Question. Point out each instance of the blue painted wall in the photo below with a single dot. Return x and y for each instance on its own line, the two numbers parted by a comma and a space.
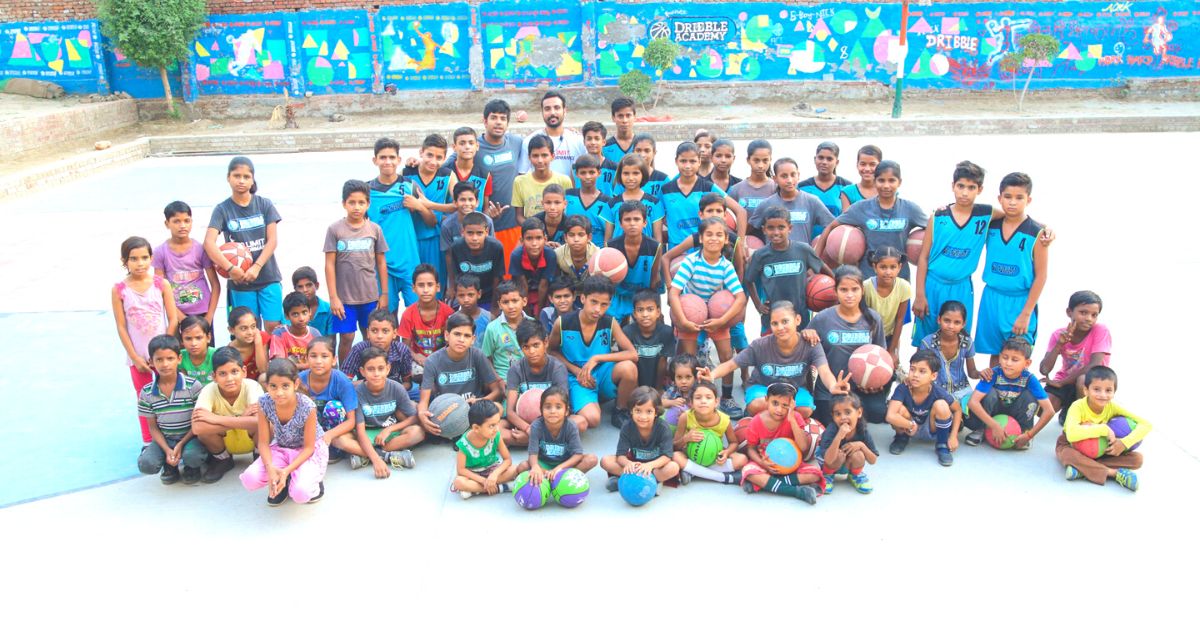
67, 53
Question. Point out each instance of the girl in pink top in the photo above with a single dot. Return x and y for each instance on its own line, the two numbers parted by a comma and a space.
1082, 344
143, 307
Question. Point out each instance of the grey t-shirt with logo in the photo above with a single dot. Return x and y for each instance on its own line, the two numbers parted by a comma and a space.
248, 225
805, 211
771, 366
551, 449
840, 338
884, 227
783, 275
377, 411
502, 161
468, 377
354, 250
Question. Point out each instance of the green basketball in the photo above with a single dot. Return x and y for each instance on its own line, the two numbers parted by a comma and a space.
569, 488
704, 453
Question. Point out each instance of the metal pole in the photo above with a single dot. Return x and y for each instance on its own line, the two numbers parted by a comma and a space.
897, 104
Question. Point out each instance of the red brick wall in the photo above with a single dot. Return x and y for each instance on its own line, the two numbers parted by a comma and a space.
46, 10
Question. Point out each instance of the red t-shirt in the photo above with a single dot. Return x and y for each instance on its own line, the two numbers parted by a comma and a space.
758, 436
424, 337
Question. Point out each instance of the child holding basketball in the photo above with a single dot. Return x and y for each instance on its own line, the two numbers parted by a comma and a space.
195, 334
166, 404
251, 342
1090, 417
1083, 344
645, 445
534, 371
226, 415
292, 450
533, 265
653, 339
422, 325
457, 368
641, 259
387, 418
573, 258
956, 351
554, 444
143, 307
704, 416
335, 399
921, 408
252, 220
846, 444
382, 334
1012, 391
888, 294
780, 420
483, 464
632, 177
868, 157
780, 269
182, 261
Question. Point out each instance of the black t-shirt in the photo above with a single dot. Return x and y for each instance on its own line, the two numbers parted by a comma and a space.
660, 343
486, 263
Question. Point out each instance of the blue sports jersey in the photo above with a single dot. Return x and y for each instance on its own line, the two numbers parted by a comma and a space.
437, 191
478, 177
831, 196
387, 210
654, 186
607, 179
1009, 264
612, 151
852, 194
574, 349
653, 206
682, 211
955, 251
593, 212
639, 276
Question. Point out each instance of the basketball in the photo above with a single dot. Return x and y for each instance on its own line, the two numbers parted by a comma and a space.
871, 366
754, 243
912, 248
730, 220
1092, 447
637, 490
694, 308
1012, 430
846, 245
530, 497
719, 303
705, 452
784, 453
1123, 426
569, 488
237, 254
610, 263
529, 405
334, 412
821, 293
832, 263
671, 416
450, 414
675, 264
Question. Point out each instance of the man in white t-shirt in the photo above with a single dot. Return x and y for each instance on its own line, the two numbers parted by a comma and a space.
568, 144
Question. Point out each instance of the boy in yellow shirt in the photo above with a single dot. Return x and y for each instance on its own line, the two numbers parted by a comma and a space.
1089, 418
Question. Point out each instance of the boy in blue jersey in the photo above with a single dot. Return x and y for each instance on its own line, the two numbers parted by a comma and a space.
587, 198
1011, 390
433, 181
393, 203
1014, 271
641, 254
827, 185
681, 196
593, 140
600, 359
624, 112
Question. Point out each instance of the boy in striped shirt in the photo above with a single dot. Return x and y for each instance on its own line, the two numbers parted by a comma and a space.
703, 273
166, 404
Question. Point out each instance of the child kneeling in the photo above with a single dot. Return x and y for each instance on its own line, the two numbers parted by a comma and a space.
1089, 418
781, 420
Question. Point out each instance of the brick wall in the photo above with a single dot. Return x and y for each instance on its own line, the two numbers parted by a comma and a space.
46, 10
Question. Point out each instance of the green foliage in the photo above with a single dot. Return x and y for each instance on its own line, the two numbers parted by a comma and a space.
636, 85
152, 33
661, 54
1036, 48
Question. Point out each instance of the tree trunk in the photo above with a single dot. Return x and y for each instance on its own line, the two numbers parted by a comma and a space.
167, 90
1021, 104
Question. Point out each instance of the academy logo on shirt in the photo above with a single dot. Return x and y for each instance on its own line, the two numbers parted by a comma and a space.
800, 215
355, 245
498, 159
455, 377
649, 351
783, 370
887, 224
1008, 270
954, 252
385, 410
534, 386
245, 224
553, 450
852, 337
468, 267
784, 269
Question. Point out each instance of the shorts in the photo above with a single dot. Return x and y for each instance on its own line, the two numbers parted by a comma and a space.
804, 398
997, 313
266, 302
791, 479
509, 239
238, 441
372, 432
715, 334
606, 388
356, 318
485, 471
737, 336
400, 293
938, 293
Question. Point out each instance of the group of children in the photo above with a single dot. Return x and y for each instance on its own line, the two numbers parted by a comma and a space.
456, 289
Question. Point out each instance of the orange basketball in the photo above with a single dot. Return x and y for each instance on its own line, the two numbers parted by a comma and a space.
237, 254
610, 263
846, 245
821, 293
754, 243
694, 308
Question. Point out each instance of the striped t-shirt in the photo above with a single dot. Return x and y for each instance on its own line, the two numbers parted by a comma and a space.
697, 276
172, 414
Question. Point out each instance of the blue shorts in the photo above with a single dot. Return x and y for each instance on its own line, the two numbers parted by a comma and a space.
737, 336
266, 302
400, 287
997, 313
937, 293
356, 318
804, 399
605, 387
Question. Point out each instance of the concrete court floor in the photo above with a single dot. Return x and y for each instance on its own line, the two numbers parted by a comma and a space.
928, 539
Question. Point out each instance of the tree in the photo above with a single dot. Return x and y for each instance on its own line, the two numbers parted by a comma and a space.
660, 55
636, 85
153, 33
1033, 51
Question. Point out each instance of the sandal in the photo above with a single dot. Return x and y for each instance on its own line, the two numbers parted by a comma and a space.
974, 439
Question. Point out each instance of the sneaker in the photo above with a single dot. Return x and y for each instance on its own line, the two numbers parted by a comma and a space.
748, 488
611, 484
620, 417
974, 438
807, 494
358, 462
828, 483
731, 407
1073, 473
170, 475
336, 455
861, 483
899, 444
216, 469
320, 493
282, 496
466, 495
402, 459
191, 475
733, 478
684, 477
945, 458
1128, 479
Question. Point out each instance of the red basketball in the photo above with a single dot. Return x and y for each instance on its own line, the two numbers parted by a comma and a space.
912, 247
871, 366
694, 308
846, 245
675, 264
832, 263
719, 303
821, 293
529, 405
730, 219
754, 243
237, 254
610, 263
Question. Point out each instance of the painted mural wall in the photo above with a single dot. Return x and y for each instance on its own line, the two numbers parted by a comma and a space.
533, 43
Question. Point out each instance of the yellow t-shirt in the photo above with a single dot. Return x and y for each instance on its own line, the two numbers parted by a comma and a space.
719, 429
886, 307
527, 193
1082, 423
211, 399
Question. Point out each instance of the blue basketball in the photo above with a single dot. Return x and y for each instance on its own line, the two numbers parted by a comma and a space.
637, 490
784, 453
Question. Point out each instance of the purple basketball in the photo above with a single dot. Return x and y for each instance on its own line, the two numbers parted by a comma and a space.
1123, 426
569, 488
530, 497
671, 416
